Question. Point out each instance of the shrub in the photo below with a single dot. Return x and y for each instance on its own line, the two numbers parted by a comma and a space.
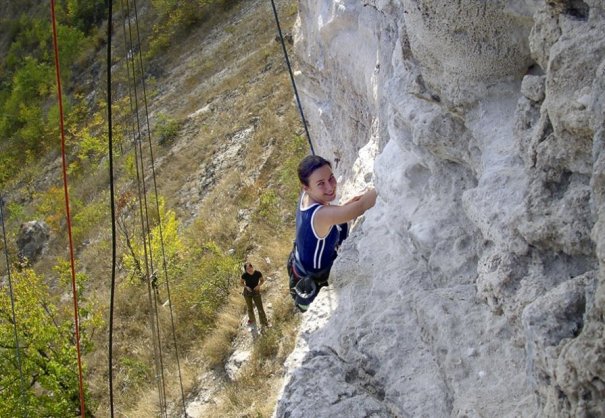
268, 209
133, 372
166, 129
267, 345
48, 354
88, 218
51, 207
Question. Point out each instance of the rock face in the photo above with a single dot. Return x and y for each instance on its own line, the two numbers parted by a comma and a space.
476, 285
32, 240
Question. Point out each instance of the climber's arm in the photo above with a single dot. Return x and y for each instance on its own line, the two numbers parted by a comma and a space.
330, 215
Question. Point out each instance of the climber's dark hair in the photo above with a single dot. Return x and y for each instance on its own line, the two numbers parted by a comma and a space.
308, 165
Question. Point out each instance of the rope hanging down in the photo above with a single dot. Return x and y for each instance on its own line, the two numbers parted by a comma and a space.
67, 211
112, 204
143, 207
143, 211
283, 45
157, 207
14, 317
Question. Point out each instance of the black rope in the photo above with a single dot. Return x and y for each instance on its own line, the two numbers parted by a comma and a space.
152, 279
145, 230
12, 297
157, 202
112, 204
300, 109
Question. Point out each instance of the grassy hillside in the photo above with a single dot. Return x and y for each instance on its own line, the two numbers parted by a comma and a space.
221, 148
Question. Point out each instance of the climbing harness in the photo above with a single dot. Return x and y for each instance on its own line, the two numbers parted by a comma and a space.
304, 285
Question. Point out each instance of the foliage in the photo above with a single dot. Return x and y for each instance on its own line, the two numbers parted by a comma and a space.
166, 129
200, 277
130, 166
86, 14
177, 17
168, 246
28, 110
206, 284
120, 110
134, 372
8, 167
47, 353
32, 35
89, 138
162, 241
87, 218
268, 210
15, 211
51, 207
22, 121
71, 43
90, 316
92, 147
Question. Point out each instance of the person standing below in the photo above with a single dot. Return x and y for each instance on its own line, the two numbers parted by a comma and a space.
252, 280
320, 228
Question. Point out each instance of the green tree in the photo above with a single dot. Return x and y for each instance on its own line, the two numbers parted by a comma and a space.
31, 39
167, 244
166, 129
86, 14
46, 349
24, 124
28, 112
71, 42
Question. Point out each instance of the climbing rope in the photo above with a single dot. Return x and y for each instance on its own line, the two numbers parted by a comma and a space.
157, 203
155, 188
157, 207
111, 203
67, 211
143, 212
283, 45
14, 317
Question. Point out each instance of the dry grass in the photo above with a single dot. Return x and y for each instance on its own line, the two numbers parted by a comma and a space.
217, 347
254, 393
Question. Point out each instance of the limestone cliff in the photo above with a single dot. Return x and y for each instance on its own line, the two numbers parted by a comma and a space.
476, 285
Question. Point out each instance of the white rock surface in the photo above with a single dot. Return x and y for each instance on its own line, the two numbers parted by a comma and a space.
475, 287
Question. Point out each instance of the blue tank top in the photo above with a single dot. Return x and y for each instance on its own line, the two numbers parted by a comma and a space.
312, 252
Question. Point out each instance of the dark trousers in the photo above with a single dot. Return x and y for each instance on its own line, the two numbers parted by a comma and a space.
254, 297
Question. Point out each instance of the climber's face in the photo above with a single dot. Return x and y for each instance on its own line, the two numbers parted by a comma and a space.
322, 185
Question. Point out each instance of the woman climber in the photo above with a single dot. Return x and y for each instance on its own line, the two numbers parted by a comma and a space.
320, 228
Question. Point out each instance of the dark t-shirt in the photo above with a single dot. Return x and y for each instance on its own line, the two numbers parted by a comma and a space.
252, 279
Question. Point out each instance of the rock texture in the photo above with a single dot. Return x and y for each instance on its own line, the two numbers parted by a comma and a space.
482, 126
32, 240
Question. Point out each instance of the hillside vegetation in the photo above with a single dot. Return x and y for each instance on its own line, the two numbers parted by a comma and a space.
205, 148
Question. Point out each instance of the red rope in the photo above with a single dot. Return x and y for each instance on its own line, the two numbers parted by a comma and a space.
71, 246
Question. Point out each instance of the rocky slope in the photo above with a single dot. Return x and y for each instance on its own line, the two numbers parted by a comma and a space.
476, 285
